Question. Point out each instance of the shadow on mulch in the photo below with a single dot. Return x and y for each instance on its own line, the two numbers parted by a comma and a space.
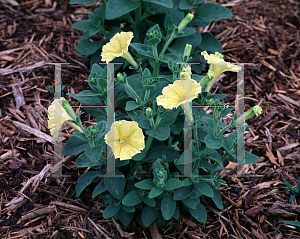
265, 33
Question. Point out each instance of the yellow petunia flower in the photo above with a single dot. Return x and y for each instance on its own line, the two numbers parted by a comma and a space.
174, 94
126, 139
57, 116
218, 66
118, 47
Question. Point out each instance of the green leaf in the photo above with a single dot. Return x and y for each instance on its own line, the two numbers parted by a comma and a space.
214, 155
250, 158
117, 8
213, 143
127, 209
75, 146
179, 44
217, 199
84, 180
161, 133
158, 152
156, 191
95, 153
183, 192
199, 213
168, 206
189, 202
210, 43
226, 111
132, 199
82, 1
111, 210
125, 217
86, 100
131, 105
100, 188
84, 25
83, 161
142, 120
80, 136
138, 157
173, 183
143, 49
170, 117
165, 3
205, 188
149, 201
185, 4
189, 157
146, 184
212, 12
148, 215
115, 185
86, 47
292, 223
187, 31
206, 165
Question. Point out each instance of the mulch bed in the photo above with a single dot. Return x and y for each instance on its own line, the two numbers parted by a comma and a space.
32, 205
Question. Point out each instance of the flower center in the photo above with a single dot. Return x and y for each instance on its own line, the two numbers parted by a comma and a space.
121, 141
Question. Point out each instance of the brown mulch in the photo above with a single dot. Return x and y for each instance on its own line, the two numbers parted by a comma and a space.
32, 205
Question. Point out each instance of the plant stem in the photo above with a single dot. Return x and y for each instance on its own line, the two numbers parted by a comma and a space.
147, 94
166, 46
196, 136
130, 18
157, 64
223, 130
138, 14
134, 93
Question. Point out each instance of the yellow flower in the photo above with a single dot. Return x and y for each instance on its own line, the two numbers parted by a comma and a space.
218, 66
126, 139
118, 47
57, 116
174, 94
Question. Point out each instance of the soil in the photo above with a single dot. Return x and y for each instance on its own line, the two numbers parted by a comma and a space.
32, 205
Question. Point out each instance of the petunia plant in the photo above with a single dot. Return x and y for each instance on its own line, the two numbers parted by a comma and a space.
157, 174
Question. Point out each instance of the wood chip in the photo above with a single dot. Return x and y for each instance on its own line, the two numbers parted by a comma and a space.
289, 100
271, 156
36, 132
268, 65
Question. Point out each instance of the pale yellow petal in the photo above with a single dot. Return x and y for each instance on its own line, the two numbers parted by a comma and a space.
127, 139
174, 94
117, 46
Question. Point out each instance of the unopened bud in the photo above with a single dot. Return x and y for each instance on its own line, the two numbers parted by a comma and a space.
188, 18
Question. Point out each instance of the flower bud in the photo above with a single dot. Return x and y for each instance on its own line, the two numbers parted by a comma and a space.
254, 111
153, 35
122, 77
149, 112
149, 83
188, 18
187, 50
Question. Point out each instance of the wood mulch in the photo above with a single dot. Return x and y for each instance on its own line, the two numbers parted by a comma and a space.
32, 205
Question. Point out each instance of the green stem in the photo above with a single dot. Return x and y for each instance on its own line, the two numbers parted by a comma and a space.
223, 130
158, 119
166, 46
196, 136
174, 77
138, 15
157, 64
147, 94
152, 122
215, 127
130, 18
134, 93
